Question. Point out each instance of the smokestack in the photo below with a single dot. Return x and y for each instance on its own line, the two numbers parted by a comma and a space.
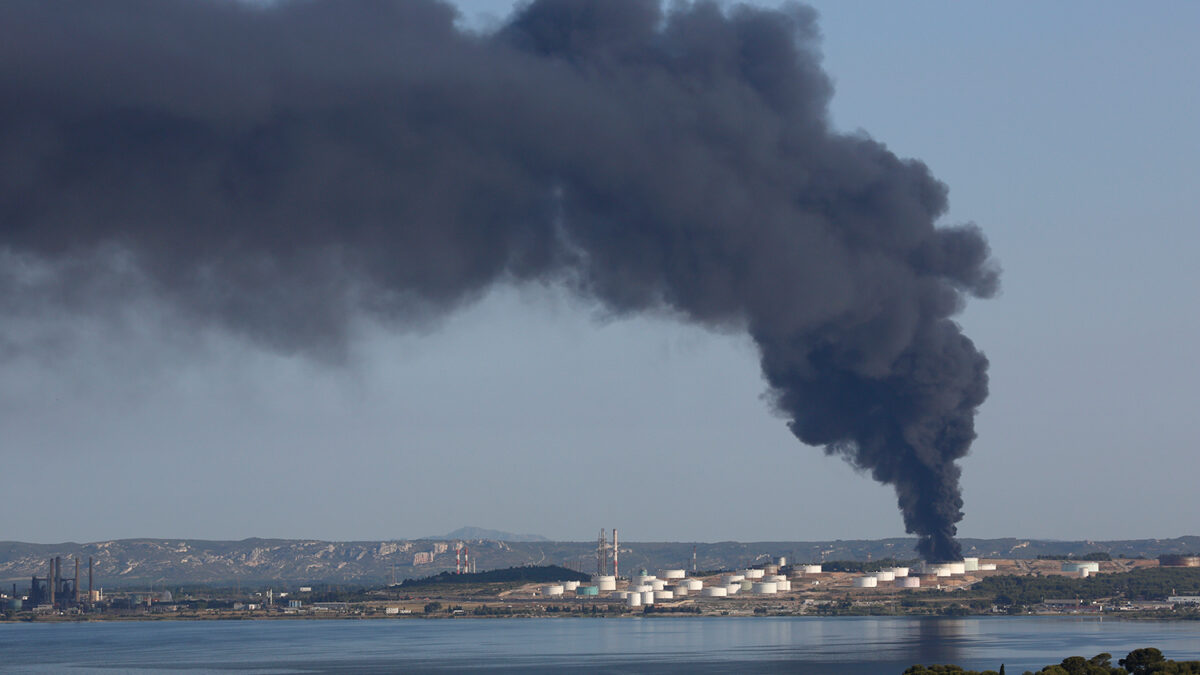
398, 166
616, 554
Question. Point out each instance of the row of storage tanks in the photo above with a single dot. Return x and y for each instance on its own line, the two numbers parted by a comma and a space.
902, 579
645, 589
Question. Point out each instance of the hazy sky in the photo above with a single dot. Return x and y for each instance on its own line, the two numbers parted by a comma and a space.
1068, 132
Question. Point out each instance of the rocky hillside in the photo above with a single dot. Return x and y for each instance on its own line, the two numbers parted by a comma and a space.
139, 562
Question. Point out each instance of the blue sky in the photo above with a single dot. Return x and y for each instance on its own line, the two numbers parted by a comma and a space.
1068, 132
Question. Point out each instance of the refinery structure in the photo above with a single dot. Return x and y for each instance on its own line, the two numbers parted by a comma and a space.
57, 591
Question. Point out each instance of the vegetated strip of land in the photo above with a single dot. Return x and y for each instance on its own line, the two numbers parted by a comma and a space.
1143, 661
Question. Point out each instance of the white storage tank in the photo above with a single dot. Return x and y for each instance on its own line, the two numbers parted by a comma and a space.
752, 573
782, 562
942, 571
693, 584
663, 595
766, 588
783, 586
746, 585
727, 579
987, 567
620, 595
644, 588
865, 582
657, 584
811, 569
1093, 567
639, 579
714, 592
609, 584
552, 589
570, 585
957, 568
776, 577
733, 589
634, 600
672, 574
885, 575
971, 564
900, 571
648, 598
679, 589
908, 582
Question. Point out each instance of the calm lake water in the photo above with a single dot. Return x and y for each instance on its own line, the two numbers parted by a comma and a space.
846, 645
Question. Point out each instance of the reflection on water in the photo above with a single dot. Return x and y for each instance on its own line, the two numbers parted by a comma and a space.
804, 645
934, 640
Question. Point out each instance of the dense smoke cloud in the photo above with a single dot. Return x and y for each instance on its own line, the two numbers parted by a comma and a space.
281, 169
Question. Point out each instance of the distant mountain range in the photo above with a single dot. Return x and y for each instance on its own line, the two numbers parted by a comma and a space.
285, 563
483, 533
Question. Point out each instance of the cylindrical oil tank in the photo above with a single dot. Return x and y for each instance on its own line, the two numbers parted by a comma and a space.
644, 588
598, 579
588, 591
693, 584
971, 564
987, 567
657, 584
752, 573
679, 589
552, 589
570, 585
746, 585
1177, 560
865, 582
608, 584
619, 595
885, 575
942, 571
727, 579
811, 569
775, 577
782, 562
639, 579
663, 595
1076, 566
908, 582
771, 568
784, 586
1083, 573
900, 571
957, 568
634, 600
714, 592
672, 574
766, 588
648, 598
733, 589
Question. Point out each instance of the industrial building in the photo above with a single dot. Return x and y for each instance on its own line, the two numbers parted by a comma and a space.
58, 591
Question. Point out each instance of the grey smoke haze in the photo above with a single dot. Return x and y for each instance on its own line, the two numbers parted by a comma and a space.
281, 170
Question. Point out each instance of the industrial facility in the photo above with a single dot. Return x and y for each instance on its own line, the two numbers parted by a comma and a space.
57, 591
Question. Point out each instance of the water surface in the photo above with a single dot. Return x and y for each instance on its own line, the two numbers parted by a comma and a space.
804, 645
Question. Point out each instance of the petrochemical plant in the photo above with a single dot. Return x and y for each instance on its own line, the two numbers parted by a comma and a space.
55, 590
771, 579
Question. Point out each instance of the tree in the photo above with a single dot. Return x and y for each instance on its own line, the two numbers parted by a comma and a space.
432, 607
1142, 660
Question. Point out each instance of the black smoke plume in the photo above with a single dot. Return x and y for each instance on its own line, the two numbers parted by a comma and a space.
281, 168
